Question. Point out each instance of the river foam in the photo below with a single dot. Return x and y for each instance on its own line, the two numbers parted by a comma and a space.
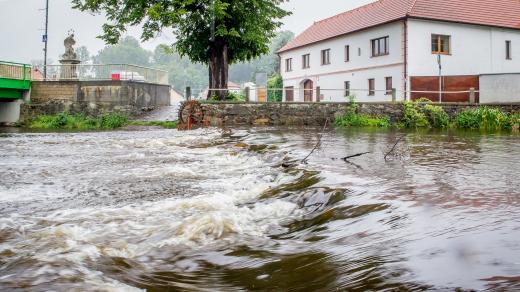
219, 207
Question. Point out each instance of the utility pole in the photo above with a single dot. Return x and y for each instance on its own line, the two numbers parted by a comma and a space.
45, 39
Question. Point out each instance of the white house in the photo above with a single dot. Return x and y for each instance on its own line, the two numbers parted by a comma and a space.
396, 44
232, 88
252, 90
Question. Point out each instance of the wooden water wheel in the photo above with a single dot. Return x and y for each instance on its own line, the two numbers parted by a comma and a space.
191, 115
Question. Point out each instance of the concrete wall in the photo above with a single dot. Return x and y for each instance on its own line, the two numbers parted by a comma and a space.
310, 114
361, 66
94, 97
500, 88
9, 112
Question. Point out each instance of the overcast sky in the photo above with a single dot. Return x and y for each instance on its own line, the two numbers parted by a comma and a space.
22, 23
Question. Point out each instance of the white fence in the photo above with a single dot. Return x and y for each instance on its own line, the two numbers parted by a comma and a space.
85, 72
16, 71
318, 94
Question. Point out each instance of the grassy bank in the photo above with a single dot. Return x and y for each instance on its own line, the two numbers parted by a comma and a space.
67, 121
164, 124
424, 114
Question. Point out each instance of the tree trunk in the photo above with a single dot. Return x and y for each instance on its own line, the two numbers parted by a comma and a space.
218, 70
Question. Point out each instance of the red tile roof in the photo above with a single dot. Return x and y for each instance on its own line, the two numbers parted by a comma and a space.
499, 13
36, 74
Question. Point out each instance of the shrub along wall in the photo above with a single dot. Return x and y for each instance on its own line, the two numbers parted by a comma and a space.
315, 114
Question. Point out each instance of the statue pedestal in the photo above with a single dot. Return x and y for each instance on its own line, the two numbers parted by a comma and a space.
69, 69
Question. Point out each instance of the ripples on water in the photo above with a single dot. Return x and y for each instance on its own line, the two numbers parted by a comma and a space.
161, 209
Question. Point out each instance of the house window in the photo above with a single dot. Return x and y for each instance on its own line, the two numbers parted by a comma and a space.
288, 65
388, 81
508, 51
289, 93
441, 44
371, 86
347, 88
380, 47
306, 61
347, 53
325, 57
359, 52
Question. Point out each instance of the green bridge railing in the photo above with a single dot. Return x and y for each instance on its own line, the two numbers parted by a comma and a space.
16, 71
14, 79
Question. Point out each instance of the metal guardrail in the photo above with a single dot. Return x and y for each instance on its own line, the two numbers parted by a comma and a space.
96, 72
16, 71
318, 94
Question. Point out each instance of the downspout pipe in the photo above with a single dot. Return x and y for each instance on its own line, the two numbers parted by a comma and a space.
405, 71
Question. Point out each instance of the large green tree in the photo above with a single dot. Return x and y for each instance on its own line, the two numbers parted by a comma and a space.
127, 51
182, 71
214, 32
269, 63
83, 54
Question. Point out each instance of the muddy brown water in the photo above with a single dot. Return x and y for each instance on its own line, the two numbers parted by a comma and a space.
162, 210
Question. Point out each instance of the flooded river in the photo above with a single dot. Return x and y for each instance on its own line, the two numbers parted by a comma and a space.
157, 210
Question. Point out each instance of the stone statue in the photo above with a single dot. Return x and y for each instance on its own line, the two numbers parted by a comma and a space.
69, 61
69, 42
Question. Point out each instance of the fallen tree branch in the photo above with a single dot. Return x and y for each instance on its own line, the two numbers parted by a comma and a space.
318, 143
355, 155
395, 145
353, 164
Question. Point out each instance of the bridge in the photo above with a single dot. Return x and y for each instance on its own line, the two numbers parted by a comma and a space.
15, 82
15, 79
88, 88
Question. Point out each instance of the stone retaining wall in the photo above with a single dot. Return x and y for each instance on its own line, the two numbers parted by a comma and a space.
312, 114
94, 97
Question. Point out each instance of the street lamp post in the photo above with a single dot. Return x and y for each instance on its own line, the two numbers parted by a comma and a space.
45, 39
439, 61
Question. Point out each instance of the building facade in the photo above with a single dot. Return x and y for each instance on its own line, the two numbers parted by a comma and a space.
371, 53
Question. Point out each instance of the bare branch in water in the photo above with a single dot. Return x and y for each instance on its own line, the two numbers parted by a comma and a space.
318, 144
395, 145
355, 155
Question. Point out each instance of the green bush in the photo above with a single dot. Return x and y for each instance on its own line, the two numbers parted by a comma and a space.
274, 86
422, 113
49, 122
78, 121
423, 100
361, 120
413, 117
468, 119
113, 121
164, 124
64, 121
236, 96
354, 119
514, 121
232, 96
436, 116
484, 118
352, 105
